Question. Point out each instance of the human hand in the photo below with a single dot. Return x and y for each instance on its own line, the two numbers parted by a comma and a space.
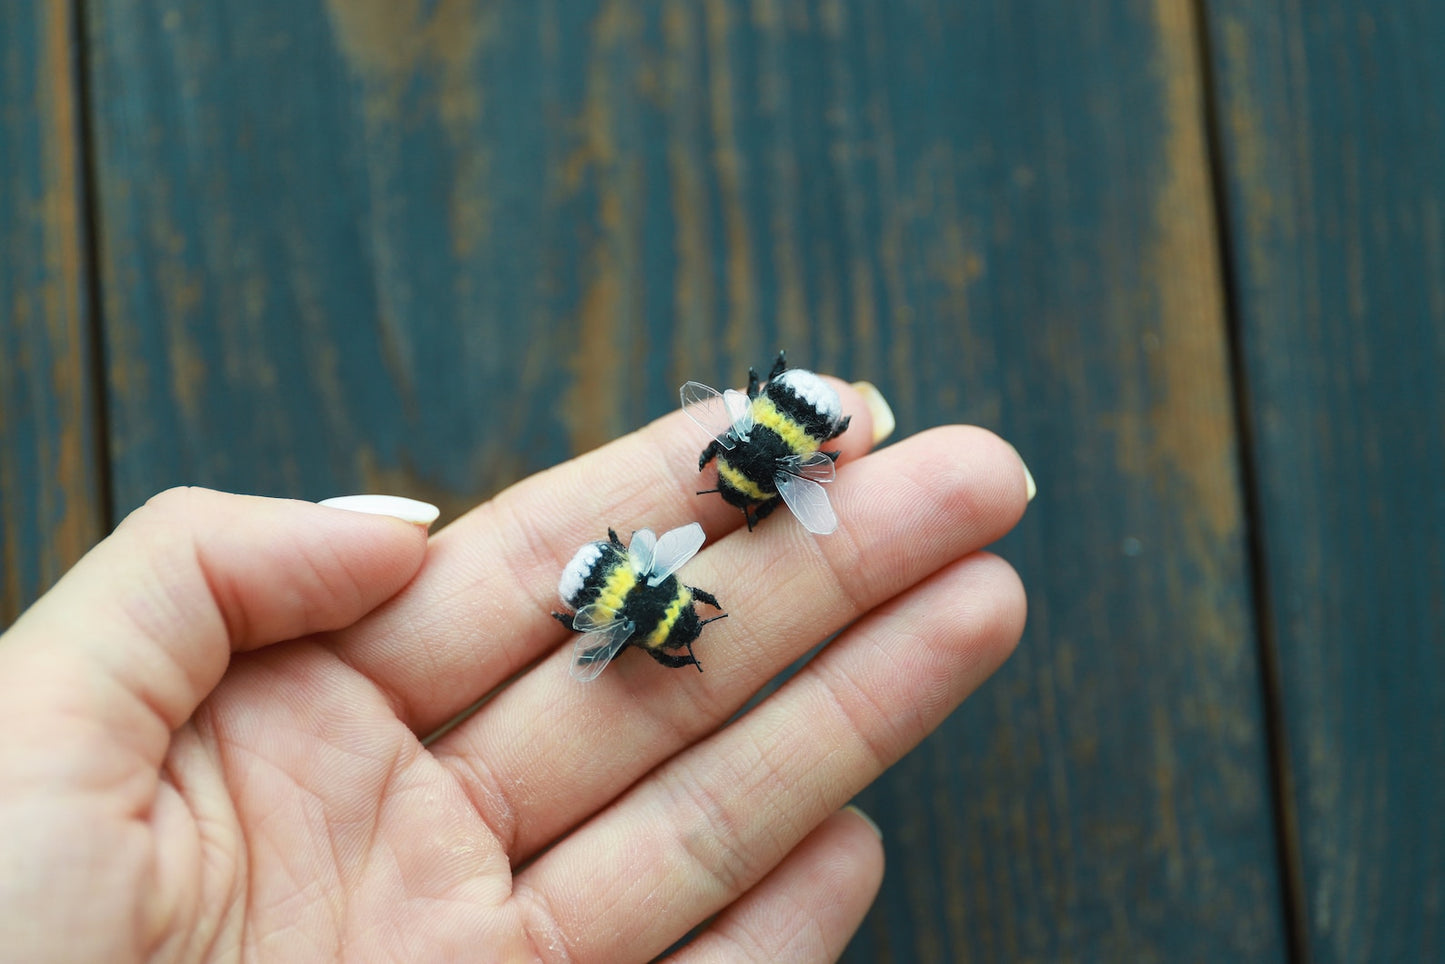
209, 729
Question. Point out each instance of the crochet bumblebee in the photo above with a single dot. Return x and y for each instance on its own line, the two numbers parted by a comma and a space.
767, 443
625, 594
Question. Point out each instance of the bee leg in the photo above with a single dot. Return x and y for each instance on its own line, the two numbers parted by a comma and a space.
708, 454
564, 618
752, 382
834, 455
841, 427
751, 519
677, 661
779, 367
702, 596
613, 536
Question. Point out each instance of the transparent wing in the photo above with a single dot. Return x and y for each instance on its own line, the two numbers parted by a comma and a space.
674, 549
642, 551
740, 412
818, 467
590, 619
596, 649
809, 502
709, 410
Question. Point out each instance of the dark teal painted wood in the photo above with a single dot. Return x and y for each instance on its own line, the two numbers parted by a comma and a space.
1331, 116
50, 489
432, 247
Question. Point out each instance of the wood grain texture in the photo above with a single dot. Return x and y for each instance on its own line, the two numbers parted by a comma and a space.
1331, 121
50, 512
431, 247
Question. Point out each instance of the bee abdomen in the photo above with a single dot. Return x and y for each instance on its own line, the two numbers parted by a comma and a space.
808, 400
578, 572
598, 574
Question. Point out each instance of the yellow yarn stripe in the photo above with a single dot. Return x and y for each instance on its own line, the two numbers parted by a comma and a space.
767, 414
682, 600
741, 482
615, 588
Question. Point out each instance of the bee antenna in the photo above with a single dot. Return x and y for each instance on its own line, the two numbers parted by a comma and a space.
707, 491
710, 619
693, 656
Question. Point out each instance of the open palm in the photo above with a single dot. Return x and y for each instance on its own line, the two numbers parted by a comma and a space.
210, 731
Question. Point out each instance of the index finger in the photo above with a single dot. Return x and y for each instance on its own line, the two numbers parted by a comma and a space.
478, 612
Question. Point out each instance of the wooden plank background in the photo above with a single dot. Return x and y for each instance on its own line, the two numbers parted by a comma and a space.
431, 247
1332, 123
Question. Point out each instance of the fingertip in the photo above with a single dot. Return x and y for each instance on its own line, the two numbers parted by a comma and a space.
858, 842
1004, 480
999, 581
857, 811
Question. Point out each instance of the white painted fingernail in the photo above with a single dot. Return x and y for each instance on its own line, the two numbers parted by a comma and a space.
407, 510
866, 819
1030, 489
883, 421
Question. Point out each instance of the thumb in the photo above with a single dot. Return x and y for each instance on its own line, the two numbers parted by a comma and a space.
145, 623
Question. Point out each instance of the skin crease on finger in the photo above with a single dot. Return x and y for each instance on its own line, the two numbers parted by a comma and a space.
790, 591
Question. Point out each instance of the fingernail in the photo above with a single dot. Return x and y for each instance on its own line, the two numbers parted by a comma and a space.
407, 510
866, 819
883, 421
1029, 489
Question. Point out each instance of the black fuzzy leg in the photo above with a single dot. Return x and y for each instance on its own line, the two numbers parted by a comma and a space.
565, 619
613, 536
678, 661
779, 367
841, 427
713, 450
753, 386
702, 595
